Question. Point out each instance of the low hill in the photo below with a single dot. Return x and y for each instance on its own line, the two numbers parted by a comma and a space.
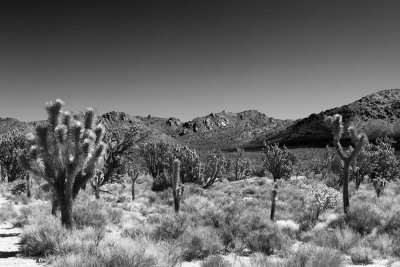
377, 115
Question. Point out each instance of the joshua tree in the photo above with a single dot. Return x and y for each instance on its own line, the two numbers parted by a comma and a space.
211, 171
11, 145
156, 159
280, 163
121, 143
96, 182
65, 152
177, 189
28, 185
240, 165
347, 157
133, 174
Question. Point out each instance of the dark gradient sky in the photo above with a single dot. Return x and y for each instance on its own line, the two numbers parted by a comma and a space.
286, 59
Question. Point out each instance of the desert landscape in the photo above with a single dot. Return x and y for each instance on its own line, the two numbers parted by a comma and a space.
118, 190
222, 133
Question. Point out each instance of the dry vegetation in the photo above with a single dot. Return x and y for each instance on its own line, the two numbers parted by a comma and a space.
225, 210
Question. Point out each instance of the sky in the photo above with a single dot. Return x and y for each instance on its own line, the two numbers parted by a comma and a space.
186, 59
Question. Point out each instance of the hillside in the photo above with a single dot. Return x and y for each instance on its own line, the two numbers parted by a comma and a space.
377, 115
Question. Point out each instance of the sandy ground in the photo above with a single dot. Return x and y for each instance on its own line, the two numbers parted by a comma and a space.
10, 256
9, 239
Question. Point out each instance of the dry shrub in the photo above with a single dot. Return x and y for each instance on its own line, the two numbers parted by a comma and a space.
215, 261
200, 242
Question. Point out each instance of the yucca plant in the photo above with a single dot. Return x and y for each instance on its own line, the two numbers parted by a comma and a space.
280, 163
347, 157
64, 151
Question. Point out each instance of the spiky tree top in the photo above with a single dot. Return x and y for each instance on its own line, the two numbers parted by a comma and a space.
359, 139
64, 151
279, 162
11, 145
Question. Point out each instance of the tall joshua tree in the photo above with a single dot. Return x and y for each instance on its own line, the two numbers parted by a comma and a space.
177, 185
347, 157
280, 163
65, 152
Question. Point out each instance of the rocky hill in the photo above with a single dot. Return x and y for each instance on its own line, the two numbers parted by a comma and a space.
377, 114
227, 130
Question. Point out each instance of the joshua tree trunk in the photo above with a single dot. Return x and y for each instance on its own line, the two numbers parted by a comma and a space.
28, 185
177, 200
97, 192
177, 185
65, 203
54, 204
134, 178
273, 200
346, 201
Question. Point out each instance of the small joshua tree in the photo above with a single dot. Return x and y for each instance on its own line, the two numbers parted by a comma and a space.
156, 157
280, 163
121, 143
240, 165
189, 162
11, 145
133, 174
65, 152
347, 157
177, 187
386, 166
96, 182
364, 164
211, 171
324, 197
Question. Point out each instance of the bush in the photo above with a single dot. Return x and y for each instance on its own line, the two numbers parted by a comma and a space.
18, 188
361, 255
115, 215
90, 213
171, 227
123, 252
312, 256
200, 242
393, 223
43, 237
266, 241
215, 261
7, 213
363, 218
30, 213
288, 227
340, 239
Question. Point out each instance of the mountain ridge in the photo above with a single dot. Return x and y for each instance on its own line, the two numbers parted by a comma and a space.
376, 114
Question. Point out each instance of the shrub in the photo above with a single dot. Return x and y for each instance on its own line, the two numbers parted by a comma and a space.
43, 237
361, 255
363, 218
288, 227
7, 212
215, 261
265, 241
115, 215
323, 196
340, 239
236, 224
171, 227
393, 223
123, 252
200, 242
90, 213
31, 213
312, 256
